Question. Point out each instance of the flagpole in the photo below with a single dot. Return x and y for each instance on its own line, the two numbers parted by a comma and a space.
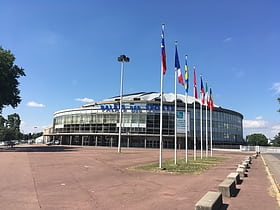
211, 127
161, 122
175, 110
186, 105
201, 129
194, 122
175, 120
206, 130
162, 72
194, 131
211, 132
186, 125
206, 118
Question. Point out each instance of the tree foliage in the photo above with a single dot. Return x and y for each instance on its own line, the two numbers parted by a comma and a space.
10, 128
9, 74
276, 140
279, 102
257, 139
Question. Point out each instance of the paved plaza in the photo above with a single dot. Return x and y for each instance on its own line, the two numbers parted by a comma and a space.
68, 178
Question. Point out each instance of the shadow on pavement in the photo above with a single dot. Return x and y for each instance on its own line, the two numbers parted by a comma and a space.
224, 207
235, 192
38, 149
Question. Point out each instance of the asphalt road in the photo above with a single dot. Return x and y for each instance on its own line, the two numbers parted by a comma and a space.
273, 162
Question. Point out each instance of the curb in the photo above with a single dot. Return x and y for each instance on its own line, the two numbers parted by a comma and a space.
272, 181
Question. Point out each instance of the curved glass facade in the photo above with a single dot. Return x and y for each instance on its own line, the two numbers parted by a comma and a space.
98, 124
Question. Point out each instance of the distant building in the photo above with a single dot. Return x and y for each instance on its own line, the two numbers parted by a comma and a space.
46, 137
98, 123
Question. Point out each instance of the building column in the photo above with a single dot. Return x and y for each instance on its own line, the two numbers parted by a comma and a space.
96, 138
70, 141
145, 143
127, 142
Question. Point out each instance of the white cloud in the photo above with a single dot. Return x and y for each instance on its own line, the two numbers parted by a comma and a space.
275, 129
27, 128
269, 129
34, 104
254, 123
85, 100
276, 87
228, 39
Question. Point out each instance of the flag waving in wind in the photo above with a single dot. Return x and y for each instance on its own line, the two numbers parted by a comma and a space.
194, 84
186, 75
163, 55
202, 91
177, 67
206, 94
211, 103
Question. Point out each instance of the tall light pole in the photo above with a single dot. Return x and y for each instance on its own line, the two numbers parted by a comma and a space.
35, 133
122, 59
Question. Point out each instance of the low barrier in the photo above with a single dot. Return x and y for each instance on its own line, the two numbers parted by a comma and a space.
210, 201
235, 176
260, 149
227, 188
214, 200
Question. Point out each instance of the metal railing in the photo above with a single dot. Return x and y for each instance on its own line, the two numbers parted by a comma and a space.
261, 149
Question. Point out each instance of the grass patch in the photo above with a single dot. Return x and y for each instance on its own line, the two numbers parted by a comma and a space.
192, 167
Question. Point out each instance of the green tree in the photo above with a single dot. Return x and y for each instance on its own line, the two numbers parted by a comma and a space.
7, 134
13, 121
279, 102
276, 140
9, 74
10, 128
2, 121
257, 139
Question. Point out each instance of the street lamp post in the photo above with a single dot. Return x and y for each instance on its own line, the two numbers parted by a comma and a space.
122, 59
35, 133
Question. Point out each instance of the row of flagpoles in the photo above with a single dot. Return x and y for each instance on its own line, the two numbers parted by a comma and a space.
205, 99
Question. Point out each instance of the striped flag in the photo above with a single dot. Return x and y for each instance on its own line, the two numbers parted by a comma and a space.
202, 91
163, 54
178, 68
186, 75
206, 94
211, 103
194, 84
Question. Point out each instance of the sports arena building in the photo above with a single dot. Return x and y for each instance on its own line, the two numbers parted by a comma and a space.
98, 123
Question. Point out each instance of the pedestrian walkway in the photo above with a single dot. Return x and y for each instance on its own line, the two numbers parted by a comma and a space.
58, 177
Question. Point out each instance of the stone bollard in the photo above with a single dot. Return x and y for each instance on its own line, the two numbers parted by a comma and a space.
247, 161
235, 176
242, 166
227, 187
241, 172
245, 164
210, 201
248, 158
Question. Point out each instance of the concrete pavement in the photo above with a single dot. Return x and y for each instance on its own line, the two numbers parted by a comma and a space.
59, 177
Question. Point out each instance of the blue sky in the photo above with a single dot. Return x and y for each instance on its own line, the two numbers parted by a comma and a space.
69, 51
